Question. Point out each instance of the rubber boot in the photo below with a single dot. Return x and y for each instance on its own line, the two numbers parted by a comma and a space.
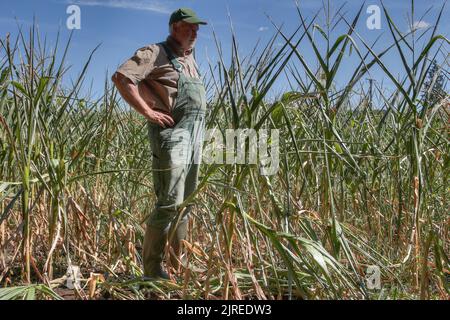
153, 253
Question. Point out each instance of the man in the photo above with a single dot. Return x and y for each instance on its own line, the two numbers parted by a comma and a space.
161, 81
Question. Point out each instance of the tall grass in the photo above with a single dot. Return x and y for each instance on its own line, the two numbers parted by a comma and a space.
357, 185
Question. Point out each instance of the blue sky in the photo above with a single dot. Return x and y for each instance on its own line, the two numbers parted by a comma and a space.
124, 26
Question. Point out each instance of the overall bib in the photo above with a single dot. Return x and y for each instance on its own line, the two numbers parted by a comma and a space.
176, 160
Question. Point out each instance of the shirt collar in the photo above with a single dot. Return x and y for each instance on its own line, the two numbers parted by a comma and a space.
176, 47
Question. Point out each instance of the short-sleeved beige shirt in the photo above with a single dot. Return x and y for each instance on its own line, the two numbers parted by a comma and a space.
150, 69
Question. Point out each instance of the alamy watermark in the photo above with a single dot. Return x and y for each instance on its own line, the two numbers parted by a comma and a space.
73, 275
74, 19
244, 146
240, 146
374, 20
373, 278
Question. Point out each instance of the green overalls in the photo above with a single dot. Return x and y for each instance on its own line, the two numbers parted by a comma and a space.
176, 160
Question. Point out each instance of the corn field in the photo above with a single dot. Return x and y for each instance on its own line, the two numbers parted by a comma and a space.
358, 185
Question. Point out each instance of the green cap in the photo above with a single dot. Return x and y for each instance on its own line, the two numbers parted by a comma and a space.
185, 14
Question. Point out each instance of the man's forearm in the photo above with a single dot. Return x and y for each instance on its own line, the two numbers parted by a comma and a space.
130, 93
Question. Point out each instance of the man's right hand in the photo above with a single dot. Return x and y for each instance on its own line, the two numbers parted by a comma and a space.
160, 118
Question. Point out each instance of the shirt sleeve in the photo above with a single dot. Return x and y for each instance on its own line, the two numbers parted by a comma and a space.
139, 66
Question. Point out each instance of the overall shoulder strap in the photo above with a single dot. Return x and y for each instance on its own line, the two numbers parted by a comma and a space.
177, 66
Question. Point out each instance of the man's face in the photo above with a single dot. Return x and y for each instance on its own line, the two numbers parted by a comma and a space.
185, 33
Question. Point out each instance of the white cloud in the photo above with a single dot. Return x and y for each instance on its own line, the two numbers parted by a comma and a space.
149, 5
420, 25
263, 29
